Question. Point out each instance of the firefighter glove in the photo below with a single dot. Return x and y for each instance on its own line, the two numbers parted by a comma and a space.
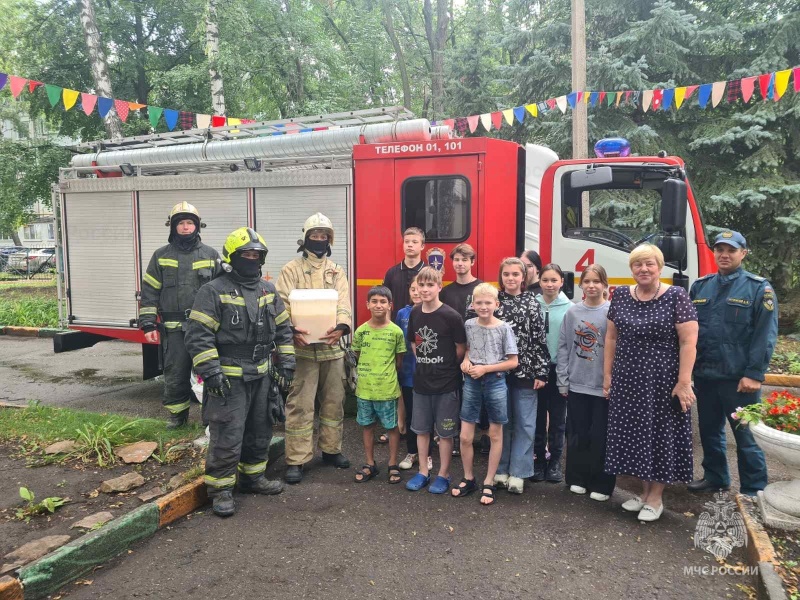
285, 378
218, 385
277, 403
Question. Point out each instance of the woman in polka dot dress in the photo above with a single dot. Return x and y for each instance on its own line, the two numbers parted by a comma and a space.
649, 355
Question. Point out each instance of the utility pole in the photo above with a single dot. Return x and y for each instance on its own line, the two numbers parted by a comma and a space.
580, 120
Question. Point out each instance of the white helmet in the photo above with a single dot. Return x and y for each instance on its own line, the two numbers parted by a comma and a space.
318, 221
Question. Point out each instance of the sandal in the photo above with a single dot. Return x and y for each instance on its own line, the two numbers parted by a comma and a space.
488, 492
366, 473
394, 474
466, 489
383, 438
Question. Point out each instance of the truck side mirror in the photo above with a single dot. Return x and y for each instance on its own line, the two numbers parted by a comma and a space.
569, 284
674, 203
673, 247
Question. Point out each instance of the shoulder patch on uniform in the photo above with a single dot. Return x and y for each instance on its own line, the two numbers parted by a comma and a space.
768, 303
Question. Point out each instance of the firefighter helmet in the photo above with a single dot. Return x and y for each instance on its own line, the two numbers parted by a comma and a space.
318, 221
183, 210
243, 239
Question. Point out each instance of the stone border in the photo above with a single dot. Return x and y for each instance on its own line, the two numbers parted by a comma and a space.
761, 553
782, 380
42, 332
79, 556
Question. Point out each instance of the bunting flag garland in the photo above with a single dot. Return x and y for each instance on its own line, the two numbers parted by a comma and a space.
69, 97
771, 86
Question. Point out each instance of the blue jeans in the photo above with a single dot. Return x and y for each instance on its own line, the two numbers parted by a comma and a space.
489, 391
518, 433
716, 400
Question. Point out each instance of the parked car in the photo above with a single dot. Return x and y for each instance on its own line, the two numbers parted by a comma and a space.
32, 259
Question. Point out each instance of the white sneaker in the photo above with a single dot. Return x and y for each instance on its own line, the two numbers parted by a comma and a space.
515, 485
648, 513
408, 461
430, 464
501, 480
576, 489
635, 504
599, 497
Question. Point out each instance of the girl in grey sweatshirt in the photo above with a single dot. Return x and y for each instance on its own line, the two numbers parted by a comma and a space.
579, 373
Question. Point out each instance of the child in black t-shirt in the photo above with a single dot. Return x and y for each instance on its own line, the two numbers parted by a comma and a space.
438, 339
458, 295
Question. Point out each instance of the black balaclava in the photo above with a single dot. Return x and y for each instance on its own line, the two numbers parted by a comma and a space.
184, 242
247, 268
318, 248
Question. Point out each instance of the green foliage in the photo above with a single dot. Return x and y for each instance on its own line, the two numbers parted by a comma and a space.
31, 508
39, 312
97, 441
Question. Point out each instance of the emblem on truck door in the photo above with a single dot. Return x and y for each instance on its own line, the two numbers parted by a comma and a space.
435, 258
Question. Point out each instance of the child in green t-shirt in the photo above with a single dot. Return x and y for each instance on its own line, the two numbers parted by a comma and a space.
379, 345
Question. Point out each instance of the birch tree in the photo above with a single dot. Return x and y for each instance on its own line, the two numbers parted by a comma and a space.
212, 51
99, 66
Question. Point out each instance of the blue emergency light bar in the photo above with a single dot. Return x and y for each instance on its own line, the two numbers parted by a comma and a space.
612, 147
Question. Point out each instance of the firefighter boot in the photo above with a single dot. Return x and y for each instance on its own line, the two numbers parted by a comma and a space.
177, 420
223, 505
262, 485
294, 474
336, 460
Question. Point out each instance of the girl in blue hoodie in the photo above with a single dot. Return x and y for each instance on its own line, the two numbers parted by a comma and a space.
551, 415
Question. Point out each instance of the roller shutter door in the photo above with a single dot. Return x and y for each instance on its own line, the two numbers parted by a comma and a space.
281, 212
100, 255
222, 210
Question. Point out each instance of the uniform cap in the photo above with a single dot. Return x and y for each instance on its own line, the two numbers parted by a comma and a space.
732, 238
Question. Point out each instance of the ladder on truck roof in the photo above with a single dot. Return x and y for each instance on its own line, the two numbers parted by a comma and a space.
355, 118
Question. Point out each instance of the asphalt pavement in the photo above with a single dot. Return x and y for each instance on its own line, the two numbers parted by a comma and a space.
331, 537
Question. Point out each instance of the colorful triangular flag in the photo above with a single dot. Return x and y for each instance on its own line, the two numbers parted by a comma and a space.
103, 106
704, 94
763, 85
748, 85
203, 121
601, 97
533, 109
593, 98
3, 79
717, 92
472, 121
123, 108
658, 94
508, 115
580, 97
70, 97
610, 98
88, 102
519, 113
170, 118
219, 121
619, 98
486, 121
135, 106
32, 85
451, 123
154, 115
561, 102
667, 98
647, 99
628, 95
796, 75
497, 120
53, 94
572, 99
680, 94
551, 103
17, 85
781, 83
689, 91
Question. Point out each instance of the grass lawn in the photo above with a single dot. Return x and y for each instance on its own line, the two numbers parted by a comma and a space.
37, 426
29, 303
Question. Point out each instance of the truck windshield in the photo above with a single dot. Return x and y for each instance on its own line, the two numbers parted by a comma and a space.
622, 214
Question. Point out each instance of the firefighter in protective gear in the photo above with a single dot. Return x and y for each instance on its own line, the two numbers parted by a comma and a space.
175, 273
320, 366
238, 322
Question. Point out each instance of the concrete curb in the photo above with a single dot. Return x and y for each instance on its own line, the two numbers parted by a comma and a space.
782, 380
42, 332
65, 564
761, 553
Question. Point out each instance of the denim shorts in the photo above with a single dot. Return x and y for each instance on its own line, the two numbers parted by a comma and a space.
370, 411
489, 391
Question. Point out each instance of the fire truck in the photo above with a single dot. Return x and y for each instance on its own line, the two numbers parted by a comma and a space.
373, 173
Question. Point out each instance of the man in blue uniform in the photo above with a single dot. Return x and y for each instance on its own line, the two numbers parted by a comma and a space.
738, 316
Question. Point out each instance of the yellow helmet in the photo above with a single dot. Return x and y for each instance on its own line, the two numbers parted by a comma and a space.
318, 221
243, 239
185, 210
